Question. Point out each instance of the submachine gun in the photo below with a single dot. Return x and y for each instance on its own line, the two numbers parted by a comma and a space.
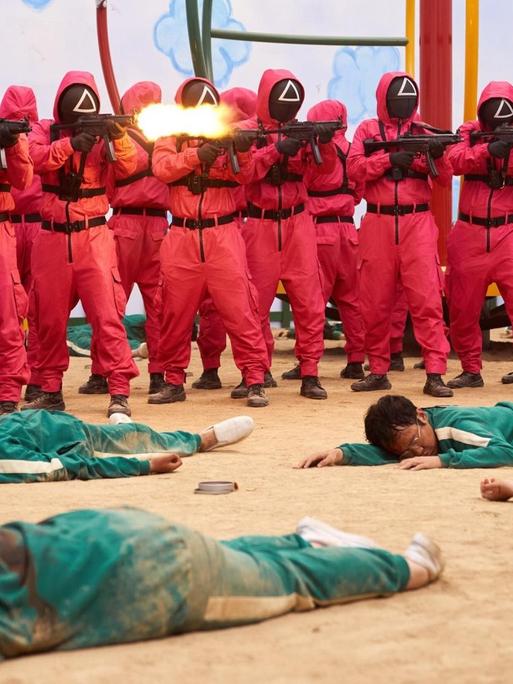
100, 125
14, 128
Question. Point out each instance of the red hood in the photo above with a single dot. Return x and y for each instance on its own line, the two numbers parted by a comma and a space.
269, 79
328, 110
72, 78
19, 102
178, 96
140, 95
381, 96
241, 101
495, 89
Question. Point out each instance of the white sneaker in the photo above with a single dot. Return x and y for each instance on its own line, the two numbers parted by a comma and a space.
320, 533
117, 418
426, 553
231, 430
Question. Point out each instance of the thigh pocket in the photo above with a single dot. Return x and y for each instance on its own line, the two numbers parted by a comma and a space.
119, 292
159, 230
325, 233
20, 296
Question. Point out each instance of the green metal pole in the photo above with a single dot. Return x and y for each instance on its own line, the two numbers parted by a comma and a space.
206, 37
307, 40
193, 29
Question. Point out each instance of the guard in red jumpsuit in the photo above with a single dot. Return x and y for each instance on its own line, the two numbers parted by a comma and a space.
204, 252
280, 235
480, 246
14, 370
398, 236
74, 255
331, 201
212, 333
139, 223
19, 102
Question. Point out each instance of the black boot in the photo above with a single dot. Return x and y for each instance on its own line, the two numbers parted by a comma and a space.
507, 379
353, 371
396, 362
208, 380
239, 392
119, 404
96, 384
8, 407
49, 401
292, 374
311, 388
269, 381
466, 380
256, 396
372, 383
32, 392
436, 387
168, 395
156, 383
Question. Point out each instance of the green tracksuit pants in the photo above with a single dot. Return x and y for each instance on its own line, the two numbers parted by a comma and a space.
93, 577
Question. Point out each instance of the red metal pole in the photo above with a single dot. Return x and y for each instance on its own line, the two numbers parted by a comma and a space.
103, 44
436, 93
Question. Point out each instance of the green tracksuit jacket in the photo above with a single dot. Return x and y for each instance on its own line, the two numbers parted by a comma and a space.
37, 446
468, 437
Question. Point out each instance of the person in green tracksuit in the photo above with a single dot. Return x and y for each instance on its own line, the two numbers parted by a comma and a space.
94, 577
39, 446
423, 438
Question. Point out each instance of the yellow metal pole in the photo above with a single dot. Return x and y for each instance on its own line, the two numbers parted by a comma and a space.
471, 58
410, 35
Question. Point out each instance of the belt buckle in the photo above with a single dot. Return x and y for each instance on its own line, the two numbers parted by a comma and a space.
74, 227
284, 213
196, 224
398, 210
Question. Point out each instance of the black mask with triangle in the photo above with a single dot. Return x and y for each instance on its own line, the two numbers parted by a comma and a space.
198, 93
285, 99
402, 98
495, 112
76, 101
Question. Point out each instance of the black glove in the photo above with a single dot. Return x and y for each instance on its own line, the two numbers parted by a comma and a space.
242, 141
325, 133
498, 148
436, 150
209, 152
288, 146
83, 142
402, 159
116, 130
7, 139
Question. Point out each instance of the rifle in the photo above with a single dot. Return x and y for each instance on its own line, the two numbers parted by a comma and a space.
98, 125
503, 132
305, 131
414, 143
14, 127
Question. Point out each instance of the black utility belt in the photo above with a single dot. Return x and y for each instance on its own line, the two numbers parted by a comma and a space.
330, 193
242, 214
5, 187
489, 180
73, 226
139, 211
407, 173
81, 193
493, 222
273, 214
28, 218
5, 216
333, 219
397, 209
199, 224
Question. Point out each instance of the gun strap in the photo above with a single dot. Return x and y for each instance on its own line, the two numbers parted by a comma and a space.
147, 173
284, 176
5, 187
141, 140
485, 178
408, 173
205, 181
382, 131
83, 193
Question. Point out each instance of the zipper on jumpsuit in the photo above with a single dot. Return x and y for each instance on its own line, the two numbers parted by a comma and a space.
200, 230
396, 197
488, 216
280, 203
68, 234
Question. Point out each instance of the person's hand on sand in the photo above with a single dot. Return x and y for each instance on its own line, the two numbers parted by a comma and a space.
164, 463
496, 490
420, 463
324, 458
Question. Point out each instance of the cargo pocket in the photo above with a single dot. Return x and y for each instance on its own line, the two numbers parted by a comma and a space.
325, 234
119, 293
159, 230
20, 296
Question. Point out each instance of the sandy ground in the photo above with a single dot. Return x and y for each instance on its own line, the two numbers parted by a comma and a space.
457, 630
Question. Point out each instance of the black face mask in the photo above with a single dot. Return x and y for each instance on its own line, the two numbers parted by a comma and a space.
495, 112
76, 101
198, 93
285, 99
402, 98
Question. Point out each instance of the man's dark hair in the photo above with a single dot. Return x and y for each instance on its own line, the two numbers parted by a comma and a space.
386, 416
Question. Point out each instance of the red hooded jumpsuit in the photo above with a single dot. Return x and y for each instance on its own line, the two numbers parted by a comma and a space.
19, 102
14, 371
212, 258
477, 254
398, 248
80, 264
331, 201
284, 246
212, 333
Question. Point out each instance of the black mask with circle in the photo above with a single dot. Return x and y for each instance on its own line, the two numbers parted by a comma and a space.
495, 112
402, 98
285, 99
76, 101
199, 93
